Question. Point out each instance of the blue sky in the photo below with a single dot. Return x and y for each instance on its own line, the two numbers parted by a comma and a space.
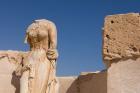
79, 24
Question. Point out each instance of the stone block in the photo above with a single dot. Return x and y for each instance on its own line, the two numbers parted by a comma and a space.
121, 52
121, 36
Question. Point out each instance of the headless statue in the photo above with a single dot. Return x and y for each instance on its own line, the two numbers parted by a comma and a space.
38, 68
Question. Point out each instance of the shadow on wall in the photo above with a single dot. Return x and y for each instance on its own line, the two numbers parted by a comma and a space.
16, 82
89, 83
74, 88
9, 83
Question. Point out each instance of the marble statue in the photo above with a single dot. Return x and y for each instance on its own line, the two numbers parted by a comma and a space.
37, 70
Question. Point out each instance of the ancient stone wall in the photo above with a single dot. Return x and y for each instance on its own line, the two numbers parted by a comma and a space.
9, 83
121, 36
85, 83
121, 52
95, 82
68, 84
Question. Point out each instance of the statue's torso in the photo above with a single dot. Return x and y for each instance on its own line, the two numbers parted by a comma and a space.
38, 39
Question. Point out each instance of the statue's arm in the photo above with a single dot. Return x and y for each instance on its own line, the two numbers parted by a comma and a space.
52, 36
52, 51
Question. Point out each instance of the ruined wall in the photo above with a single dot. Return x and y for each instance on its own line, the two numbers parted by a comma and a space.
95, 82
68, 85
124, 76
85, 83
9, 83
121, 36
121, 52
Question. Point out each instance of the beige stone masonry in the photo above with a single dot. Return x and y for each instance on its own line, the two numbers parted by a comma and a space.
121, 52
121, 37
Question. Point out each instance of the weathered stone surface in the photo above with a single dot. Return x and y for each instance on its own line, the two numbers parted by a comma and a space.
9, 83
124, 76
68, 85
121, 36
121, 52
87, 82
39, 66
94, 82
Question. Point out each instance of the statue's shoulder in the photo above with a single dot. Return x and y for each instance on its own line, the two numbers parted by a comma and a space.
45, 21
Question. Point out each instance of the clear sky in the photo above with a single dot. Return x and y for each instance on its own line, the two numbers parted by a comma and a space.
79, 24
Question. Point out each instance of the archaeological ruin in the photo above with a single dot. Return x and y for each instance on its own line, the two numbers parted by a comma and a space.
23, 72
